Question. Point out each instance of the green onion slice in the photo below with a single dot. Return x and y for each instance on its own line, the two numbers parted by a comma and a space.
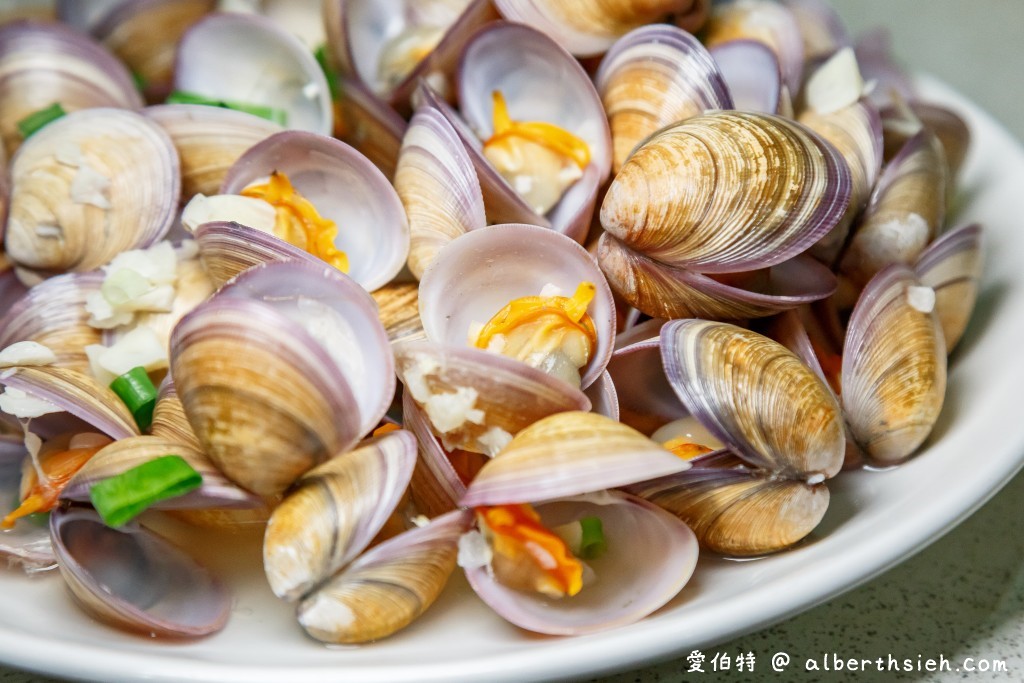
138, 393
592, 541
329, 73
120, 498
274, 114
36, 120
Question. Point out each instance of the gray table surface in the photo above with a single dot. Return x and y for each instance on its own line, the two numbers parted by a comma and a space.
963, 596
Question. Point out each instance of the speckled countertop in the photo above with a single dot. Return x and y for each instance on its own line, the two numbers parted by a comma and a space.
963, 596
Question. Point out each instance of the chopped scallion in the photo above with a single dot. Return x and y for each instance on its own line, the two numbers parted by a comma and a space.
138, 393
120, 498
329, 73
274, 114
592, 541
36, 120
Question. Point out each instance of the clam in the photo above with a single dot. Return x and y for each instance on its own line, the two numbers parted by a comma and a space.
901, 122
46, 64
342, 186
550, 464
652, 77
590, 27
28, 542
750, 69
905, 212
369, 125
821, 27
134, 579
762, 432
282, 368
399, 311
894, 366
481, 272
89, 186
209, 141
951, 265
248, 60
674, 228
144, 35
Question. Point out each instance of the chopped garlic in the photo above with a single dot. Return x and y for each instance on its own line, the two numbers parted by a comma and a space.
20, 404
322, 609
551, 289
139, 347
88, 186
474, 551
26, 353
420, 520
49, 231
248, 211
815, 479
494, 439
921, 298
136, 280
836, 84
449, 411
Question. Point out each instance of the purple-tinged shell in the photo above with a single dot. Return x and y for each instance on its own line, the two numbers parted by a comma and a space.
654, 76
894, 366
45, 63
666, 292
28, 543
751, 73
248, 58
228, 249
946, 124
135, 579
874, 56
344, 187
475, 276
369, 125
952, 266
436, 486
650, 557
604, 397
756, 397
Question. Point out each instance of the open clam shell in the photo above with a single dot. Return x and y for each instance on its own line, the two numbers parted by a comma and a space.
169, 420
756, 396
750, 69
229, 249
590, 27
209, 141
767, 21
28, 543
477, 400
951, 265
88, 186
334, 511
346, 188
248, 58
650, 557
387, 587
134, 579
476, 275
41, 64
53, 314
777, 188
894, 366
568, 454
654, 76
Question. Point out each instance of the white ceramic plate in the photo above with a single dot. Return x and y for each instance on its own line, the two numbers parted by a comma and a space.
876, 519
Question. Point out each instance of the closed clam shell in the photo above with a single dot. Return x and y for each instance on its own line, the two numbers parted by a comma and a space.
477, 400
568, 454
247, 58
590, 27
650, 557
905, 212
53, 314
88, 186
262, 396
45, 63
125, 454
734, 511
951, 265
756, 396
387, 587
727, 192
134, 579
438, 186
344, 187
654, 76
209, 141
476, 275
334, 511
668, 292
894, 366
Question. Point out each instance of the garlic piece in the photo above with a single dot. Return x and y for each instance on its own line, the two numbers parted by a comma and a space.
25, 406
836, 84
26, 353
248, 211
139, 347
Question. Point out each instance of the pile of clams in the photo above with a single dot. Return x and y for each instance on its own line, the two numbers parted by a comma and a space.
558, 295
